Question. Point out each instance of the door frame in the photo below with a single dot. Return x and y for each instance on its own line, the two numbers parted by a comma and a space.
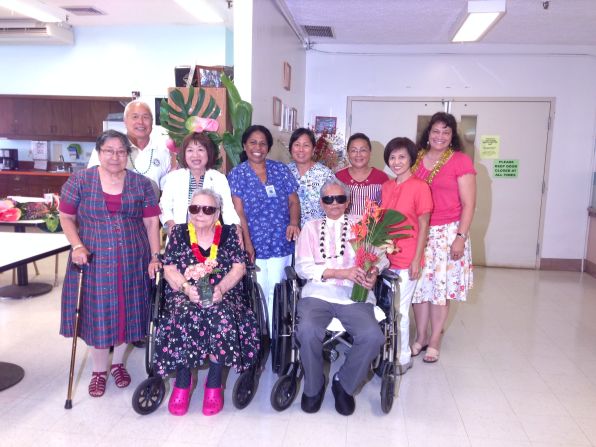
447, 108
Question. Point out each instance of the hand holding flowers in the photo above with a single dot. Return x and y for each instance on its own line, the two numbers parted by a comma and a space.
375, 236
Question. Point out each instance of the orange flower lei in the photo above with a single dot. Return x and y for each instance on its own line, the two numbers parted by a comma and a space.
195, 246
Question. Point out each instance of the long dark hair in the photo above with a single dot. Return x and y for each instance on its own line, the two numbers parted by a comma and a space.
448, 120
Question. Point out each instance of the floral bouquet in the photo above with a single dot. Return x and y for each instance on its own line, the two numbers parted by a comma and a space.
12, 211
200, 274
325, 151
375, 236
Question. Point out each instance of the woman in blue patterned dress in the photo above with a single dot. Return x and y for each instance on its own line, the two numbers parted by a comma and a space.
225, 332
113, 213
309, 174
265, 198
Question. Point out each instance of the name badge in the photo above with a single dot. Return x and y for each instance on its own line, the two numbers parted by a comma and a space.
270, 190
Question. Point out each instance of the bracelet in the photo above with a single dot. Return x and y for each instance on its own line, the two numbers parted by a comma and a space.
76, 247
155, 255
463, 236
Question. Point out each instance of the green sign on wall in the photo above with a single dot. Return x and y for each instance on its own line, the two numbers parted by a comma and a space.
505, 168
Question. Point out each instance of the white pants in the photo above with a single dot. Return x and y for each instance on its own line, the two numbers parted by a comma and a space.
406, 288
270, 272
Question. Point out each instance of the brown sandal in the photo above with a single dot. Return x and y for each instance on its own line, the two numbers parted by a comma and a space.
120, 374
97, 386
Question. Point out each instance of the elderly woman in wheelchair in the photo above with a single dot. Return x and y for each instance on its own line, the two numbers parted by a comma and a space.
206, 317
326, 260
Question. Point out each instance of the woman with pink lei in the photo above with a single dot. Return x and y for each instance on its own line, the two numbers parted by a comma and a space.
410, 196
447, 273
364, 180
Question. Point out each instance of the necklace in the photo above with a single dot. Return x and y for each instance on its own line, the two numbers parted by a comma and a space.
344, 233
195, 246
445, 156
148, 167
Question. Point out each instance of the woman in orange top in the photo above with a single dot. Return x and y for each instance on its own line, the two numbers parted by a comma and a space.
411, 197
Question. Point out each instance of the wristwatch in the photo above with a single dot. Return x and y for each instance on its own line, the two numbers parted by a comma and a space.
463, 236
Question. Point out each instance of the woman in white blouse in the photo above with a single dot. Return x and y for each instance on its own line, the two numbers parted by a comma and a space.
196, 171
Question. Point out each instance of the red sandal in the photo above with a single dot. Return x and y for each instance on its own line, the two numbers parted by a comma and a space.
120, 374
97, 386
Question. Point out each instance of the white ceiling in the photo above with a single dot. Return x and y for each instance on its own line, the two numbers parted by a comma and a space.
565, 22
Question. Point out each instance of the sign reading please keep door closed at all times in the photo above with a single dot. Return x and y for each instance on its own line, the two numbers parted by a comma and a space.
505, 168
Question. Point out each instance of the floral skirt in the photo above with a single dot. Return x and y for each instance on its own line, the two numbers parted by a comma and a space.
187, 334
443, 278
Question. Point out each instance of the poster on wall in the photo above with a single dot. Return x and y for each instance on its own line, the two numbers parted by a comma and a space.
490, 146
326, 124
505, 168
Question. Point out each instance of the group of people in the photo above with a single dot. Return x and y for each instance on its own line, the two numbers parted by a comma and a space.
268, 214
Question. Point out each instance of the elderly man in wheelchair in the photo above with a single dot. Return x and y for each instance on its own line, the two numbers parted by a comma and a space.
326, 260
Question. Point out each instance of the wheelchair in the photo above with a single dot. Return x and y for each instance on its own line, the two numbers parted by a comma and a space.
285, 355
150, 393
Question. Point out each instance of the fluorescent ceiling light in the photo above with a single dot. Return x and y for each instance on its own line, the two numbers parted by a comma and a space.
202, 10
36, 9
481, 16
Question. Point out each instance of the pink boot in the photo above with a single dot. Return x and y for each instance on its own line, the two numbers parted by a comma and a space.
212, 401
180, 400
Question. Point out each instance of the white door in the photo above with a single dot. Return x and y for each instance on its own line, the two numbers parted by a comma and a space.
506, 227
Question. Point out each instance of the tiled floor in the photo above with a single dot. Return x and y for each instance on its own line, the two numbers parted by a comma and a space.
517, 368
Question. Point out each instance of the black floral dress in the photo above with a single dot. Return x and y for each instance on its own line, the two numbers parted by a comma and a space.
187, 333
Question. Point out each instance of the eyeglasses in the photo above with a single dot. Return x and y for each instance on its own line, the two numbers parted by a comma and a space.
341, 199
358, 150
207, 210
110, 153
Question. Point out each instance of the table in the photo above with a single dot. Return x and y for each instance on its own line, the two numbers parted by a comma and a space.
20, 248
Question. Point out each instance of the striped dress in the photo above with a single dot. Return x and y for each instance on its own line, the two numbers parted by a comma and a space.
369, 189
116, 240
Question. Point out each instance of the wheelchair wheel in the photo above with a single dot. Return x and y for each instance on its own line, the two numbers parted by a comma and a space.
280, 346
244, 389
148, 395
284, 392
387, 387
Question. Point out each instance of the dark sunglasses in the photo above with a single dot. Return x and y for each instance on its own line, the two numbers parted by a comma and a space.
207, 210
328, 200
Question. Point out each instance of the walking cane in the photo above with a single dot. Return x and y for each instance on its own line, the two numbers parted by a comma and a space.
68, 404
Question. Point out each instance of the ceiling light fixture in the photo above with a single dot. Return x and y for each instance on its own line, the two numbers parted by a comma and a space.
36, 9
481, 16
202, 10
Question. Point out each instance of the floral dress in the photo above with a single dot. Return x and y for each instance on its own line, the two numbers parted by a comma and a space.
309, 190
188, 333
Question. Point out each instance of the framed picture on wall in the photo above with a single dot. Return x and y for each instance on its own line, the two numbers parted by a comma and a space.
326, 123
294, 119
276, 111
287, 76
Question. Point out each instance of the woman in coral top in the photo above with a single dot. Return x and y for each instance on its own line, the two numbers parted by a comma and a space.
410, 196
447, 273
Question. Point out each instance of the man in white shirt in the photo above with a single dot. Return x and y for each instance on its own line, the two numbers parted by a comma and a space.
326, 259
149, 156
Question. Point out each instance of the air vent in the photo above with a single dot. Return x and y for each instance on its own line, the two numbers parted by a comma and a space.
318, 31
84, 10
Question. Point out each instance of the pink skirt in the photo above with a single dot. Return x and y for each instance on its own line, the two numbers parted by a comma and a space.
443, 278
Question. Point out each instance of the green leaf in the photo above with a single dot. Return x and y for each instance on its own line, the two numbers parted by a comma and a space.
233, 94
232, 147
210, 106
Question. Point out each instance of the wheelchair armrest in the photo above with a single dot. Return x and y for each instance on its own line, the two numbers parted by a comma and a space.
389, 275
291, 273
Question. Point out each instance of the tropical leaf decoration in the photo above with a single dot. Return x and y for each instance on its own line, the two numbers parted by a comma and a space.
241, 118
174, 119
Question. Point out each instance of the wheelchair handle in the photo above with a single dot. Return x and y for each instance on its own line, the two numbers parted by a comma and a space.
389, 275
291, 273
